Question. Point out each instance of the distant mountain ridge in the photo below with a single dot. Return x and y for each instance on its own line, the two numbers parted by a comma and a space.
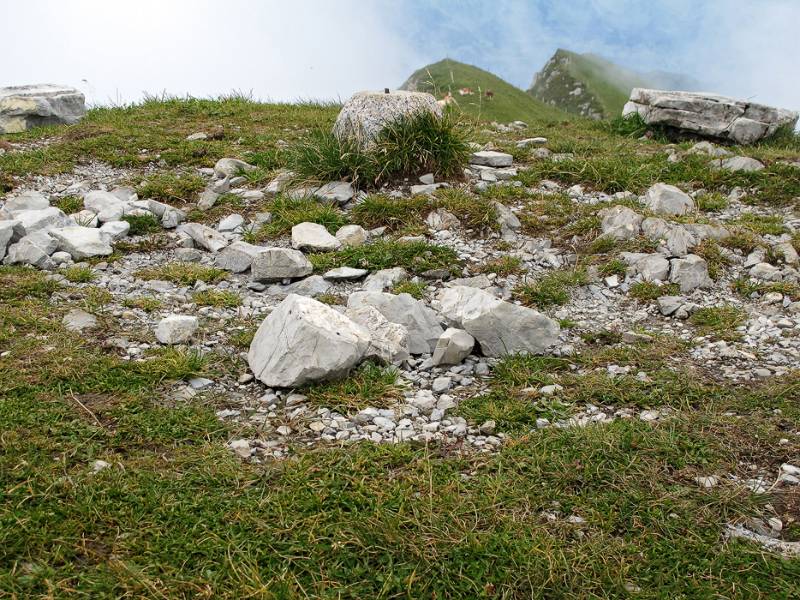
479, 93
594, 87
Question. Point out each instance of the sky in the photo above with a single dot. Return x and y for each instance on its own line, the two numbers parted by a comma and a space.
117, 51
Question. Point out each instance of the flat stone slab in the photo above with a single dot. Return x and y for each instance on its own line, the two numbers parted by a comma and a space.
26, 106
709, 115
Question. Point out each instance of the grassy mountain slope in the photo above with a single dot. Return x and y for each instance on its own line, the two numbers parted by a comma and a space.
508, 104
592, 86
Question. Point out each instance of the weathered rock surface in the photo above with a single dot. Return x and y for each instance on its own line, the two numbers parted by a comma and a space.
82, 242
690, 273
33, 249
620, 222
388, 341
275, 264
176, 329
237, 257
709, 115
205, 237
422, 322
666, 199
366, 114
314, 237
490, 158
351, 235
26, 106
453, 346
499, 327
303, 341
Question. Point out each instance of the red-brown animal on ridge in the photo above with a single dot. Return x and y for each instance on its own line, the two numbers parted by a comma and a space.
489, 94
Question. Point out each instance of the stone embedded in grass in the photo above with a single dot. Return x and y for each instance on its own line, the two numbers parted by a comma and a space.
490, 158
384, 279
340, 192
690, 273
314, 237
230, 167
204, 236
620, 222
351, 236
499, 327
452, 347
79, 320
738, 163
666, 199
313, 286
276, 264
303, 341
345, 274
422, 322
441, 219
82, 242
26, 106
231, 223
366, 114
237, 257
176, 329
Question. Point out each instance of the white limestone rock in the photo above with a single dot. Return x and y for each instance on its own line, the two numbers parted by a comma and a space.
453, 346
690, 273
82, 242
276, 264
176, 329
499, 327
313, 237
33, 249
422, 322
388, 341
237, 257
204, 236
304, 341
366, 114
351, 236
666, 199
620, 222
231, 167
490, 158
41, 220
26, 106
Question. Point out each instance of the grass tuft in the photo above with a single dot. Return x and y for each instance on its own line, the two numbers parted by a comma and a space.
217, 298
182, 273
369, 385
552, 289
79, 274
417, 257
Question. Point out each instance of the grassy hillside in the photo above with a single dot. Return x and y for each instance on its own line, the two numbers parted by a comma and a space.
508, 104
592, 86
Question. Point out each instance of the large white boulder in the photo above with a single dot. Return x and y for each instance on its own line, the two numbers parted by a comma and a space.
30, 200
739, 121
620, 222
499, 327
303, 341
41, 220
237, 257
389, 341
33, 249
9, 230
366, 114
82, 242
422, 322
276, 264
204, 236
453, 347
26, 106
690, 273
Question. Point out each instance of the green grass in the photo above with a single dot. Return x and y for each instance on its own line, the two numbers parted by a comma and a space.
146, 303
69, 204
509, 103
143, 224
551, 289
182, 273
711, 202
217, 298
747, 287
370, 385
78, 274
417, 257
648, 291
286, 213
762, 224
415, 289
407, 147
719, 321
503, 266
171, 187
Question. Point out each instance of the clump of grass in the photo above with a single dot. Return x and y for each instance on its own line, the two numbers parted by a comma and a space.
614, 267
710, 251
286, 213
380, 210
762, 224
552, 289
243, 337
217, 298
747, 287
370, 385
474, 212
417, 257
410, 146
741, 239
648, 291
173, 364
142, 224
503, 266
711, 202
146, 303
415, 289
332, 299
69, 204
719, 321
22, 283
171, 187
632, 126
79, 274
182, 273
